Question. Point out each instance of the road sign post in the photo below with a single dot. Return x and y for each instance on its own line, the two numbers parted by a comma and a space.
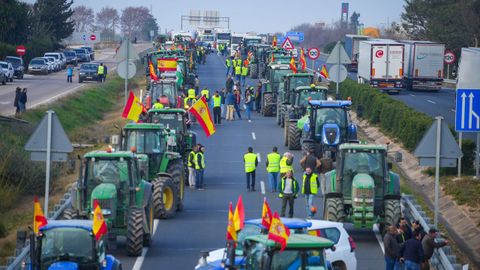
449, 58
287, 44
338, 57
126, 53
20, 50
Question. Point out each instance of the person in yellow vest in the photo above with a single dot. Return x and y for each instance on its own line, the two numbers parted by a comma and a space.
217, 108
286, 163
190, 99
191, 166
288, 193
238, 72
251, 163
199, 167
244, 74
191, 93
100, 72
157, 104
205, 93
239, 61
228, 65
310, 187
273, 168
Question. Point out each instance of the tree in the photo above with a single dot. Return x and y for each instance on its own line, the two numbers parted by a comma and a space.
150, 25
14, 22
107, 19
83, 17
133, 20
56, 15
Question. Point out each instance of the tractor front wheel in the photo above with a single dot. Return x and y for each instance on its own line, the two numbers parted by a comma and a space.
164, 198
267, 104
333, 210
177, 171
294, 136
135, 232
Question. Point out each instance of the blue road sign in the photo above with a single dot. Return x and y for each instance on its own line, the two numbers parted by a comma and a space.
467, 111
296, 36
280, 39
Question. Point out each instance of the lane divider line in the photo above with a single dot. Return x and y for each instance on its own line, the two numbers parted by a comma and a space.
259, 157
378, 235
139, 261
433, 102
253, 136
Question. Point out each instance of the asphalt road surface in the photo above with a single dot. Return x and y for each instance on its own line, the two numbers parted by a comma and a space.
202, 225
47, 88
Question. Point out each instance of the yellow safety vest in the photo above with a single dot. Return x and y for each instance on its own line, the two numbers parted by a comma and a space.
185, 102
191, 93
191, 159
313, 183
217, 101
205, 93
239, 62
101, 70
197, 165
250, 162
244, 71
273, 162
228, 62
282, 186
284, 167
238, 70
157, 105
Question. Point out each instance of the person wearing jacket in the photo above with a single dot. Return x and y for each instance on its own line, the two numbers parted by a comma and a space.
251, 162
411, 253
230, 102
310, 187
192, 157
429, 245
199, 167
392, 248
288, 193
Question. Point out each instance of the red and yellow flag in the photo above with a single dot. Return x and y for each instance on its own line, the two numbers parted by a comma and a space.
202, 113
274, 42
239, 216
302, 60
99, 225
278, 232
293, 66
153, 74
324, 72
39, 219
266, 214
273, 57
133, 108
231, 232
167, 64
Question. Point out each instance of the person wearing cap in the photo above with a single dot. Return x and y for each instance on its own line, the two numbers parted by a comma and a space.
273, 167
251, 163
429, 245
199, 167
286, 163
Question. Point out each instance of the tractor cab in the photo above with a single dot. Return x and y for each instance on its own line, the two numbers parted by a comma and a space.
290, 82
302, 95
165, 90
274, 75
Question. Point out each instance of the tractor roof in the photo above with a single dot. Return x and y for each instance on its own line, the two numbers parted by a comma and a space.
305, 74
358, 146
278, 65
308, 88
144, 126
331, 103
80, 223
113, 154
295, 241
167, 111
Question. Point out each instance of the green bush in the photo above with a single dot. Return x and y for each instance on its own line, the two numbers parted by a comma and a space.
6, 49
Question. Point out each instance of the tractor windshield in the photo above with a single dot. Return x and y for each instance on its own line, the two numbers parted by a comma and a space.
370, 162
167, 89
330, 116
304, 96
146, 141
169, 120
300, 81
111, 171
67, 244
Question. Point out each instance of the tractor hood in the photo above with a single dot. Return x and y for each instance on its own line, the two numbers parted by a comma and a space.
63, 266
363, 181
331, 134
104, 191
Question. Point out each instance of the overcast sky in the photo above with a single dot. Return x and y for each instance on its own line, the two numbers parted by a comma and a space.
262, 15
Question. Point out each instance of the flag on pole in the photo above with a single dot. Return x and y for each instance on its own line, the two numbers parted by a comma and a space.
231, 232
201, 112
274, 42
293, 66
324, 72
153, 74
99, 225
179, 76
273, 57
133, 108
167, 64
239, 216
39, 219
302, 60
278, 232
266, 214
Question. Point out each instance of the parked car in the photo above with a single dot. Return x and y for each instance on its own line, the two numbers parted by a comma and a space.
57, 65
82, 55
7, 70
17, 64
58, 58
88, 72
53, 64
3, 78
39, 65
90, 51
71, 57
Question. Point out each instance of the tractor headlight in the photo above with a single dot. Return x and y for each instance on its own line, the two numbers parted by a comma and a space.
362, 200
105, 212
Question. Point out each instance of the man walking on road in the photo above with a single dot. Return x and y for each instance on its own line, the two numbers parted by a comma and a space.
251, 163
228, 65
69, 73
429, 245
197, 85
288, 193
244, 73
191, 166
217, 109
229, 83
223, 109
411, 253
199, 167
310, 186
238, 100
392, 248
273, 168
309, 160
100, 73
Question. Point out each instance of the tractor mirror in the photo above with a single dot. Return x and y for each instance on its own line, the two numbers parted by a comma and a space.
398, 157
389, 165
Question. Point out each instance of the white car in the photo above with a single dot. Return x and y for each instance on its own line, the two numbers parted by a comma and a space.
343, 258
50, 63
8, 70
56, 63
58, 58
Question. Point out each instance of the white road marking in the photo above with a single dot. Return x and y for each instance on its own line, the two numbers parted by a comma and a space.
378, 235
453, 110
412, 95
433, 102
4, 102
262, 187
259, 157
253, 136
141, 258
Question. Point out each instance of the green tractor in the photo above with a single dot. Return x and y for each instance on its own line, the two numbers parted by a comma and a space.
165, 167
363, 189
273, 77
258, 61
290, 83
116, 181
295, 108
166, 90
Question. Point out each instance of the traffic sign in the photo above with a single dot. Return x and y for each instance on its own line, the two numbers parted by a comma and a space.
287, 44
84, 37
21, 50
338, 55
122, 69
93, 37
338, 73
313, 53
467, 110
296, 36
126, 49
449, 57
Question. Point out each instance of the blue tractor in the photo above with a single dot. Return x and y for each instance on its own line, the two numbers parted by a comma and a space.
69, 245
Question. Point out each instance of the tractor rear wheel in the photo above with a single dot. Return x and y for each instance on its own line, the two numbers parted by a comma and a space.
308, 147
254, 71
69, 213
135, 232
177, 171
277, 115
164, 199
333, 210
267, 109
294, 136
392, 212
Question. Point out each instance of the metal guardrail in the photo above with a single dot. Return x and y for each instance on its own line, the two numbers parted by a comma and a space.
442, 259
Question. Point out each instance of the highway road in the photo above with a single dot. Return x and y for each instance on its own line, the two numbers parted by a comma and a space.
202, 225
47, 88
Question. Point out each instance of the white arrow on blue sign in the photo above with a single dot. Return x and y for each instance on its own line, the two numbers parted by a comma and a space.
467, 111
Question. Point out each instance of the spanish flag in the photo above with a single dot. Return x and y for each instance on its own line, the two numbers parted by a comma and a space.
302, 60
231, 232
167, 64
274, 42
133, 108
324, 72
39, 219
273, 57
99, 225
153, 74
278, 232
239, 216
293, 66
266, 214
201, 112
